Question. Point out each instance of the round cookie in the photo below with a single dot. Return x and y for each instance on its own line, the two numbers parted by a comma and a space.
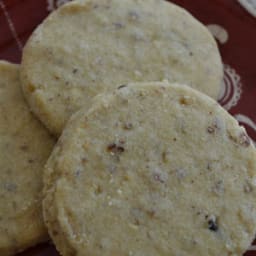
88, 47
24, 148
151, 169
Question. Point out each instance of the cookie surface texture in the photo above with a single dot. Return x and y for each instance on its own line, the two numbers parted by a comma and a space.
152, 169
88, 47
24, 148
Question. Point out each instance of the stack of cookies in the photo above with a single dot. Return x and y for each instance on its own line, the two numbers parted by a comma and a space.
145, 161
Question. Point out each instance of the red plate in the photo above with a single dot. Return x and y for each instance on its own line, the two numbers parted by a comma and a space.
233, 26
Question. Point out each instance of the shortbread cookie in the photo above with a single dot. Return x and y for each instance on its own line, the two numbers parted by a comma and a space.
87, 47
152, 169
24, 148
